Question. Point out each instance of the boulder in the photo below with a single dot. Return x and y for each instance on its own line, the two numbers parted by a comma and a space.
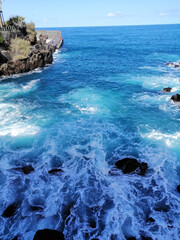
27, 169
168, 89
55, 171
48, 234
150, 219
176, 98
146, 238
130, 165
178, 188
10, 211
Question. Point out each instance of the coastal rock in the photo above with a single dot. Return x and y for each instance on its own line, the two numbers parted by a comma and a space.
10, 211
146, 238
15, 238
176, 98
130, 165
150, 219
27, 169
55, 171
173, 64
35, 60
131, 238
178, 188
48, 234
36, 208
168, 89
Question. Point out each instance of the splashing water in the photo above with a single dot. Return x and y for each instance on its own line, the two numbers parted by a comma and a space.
99, 102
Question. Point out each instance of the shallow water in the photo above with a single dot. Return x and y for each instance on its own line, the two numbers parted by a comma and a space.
99, 102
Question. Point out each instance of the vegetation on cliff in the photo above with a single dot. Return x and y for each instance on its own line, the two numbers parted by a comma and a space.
1, 38
20, 48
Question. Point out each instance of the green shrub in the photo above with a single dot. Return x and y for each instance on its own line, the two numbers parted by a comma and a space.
18, 23
30, 28
1, 38
20, 48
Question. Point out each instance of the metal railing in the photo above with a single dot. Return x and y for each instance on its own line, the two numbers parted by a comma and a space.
8, 29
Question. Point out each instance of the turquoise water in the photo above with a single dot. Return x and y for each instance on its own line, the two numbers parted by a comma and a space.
99, 102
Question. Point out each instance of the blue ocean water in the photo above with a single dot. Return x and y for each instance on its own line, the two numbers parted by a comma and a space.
99, 102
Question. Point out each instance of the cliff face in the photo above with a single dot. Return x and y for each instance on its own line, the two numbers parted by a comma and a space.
41, 54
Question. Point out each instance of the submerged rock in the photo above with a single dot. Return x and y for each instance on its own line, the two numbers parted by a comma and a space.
168, 89
130, 165
178, 188
48, 234
176, 98
10, 211
15, 238
27, 169
54, 171
131, 238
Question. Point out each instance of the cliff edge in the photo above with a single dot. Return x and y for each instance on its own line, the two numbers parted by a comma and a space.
41, 53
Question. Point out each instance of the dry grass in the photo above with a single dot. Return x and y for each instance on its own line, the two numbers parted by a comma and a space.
20, 48
30, 28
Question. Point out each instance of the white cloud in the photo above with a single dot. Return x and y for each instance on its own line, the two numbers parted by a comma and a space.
116, 14
163, 14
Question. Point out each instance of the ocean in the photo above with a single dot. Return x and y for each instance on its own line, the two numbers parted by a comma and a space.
100, 101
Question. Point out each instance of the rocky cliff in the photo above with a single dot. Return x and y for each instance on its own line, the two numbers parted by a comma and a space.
41, 54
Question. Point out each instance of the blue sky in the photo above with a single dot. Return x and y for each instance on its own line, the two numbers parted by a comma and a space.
70, 13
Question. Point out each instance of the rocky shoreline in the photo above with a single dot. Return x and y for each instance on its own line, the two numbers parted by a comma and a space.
40, 55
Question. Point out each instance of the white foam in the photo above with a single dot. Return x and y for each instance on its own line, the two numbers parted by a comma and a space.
17, 130
169, 139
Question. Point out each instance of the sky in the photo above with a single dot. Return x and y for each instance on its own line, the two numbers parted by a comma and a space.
78, 13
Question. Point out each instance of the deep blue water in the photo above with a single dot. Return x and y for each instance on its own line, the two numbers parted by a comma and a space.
99, 102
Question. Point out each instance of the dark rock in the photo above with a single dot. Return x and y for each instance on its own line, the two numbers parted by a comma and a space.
36, 208
146, 238
178, 188
27, 169
93, 224
15, 238
131, 238
176, 66
150, 219
176, 98
3, 59
48, 234
10, 211
143, 168
130, 165
54, 171
168, 89
94, 238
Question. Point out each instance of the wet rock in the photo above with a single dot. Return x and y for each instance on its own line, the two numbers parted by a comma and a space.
36, 208
54, 171
130, 165
92, 224
178, 188
146, 238
27, 169
176, 98
10, 211
15, 238
131, 238
48, 234
150, 219
168, 89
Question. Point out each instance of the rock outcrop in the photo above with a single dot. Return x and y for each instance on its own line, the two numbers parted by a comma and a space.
37, 59
48, 234
176, 98
41, 55
168, 89
9, 211
173, 64
130, 165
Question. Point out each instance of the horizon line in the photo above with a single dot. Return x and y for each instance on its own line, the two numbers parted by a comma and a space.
155, 24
